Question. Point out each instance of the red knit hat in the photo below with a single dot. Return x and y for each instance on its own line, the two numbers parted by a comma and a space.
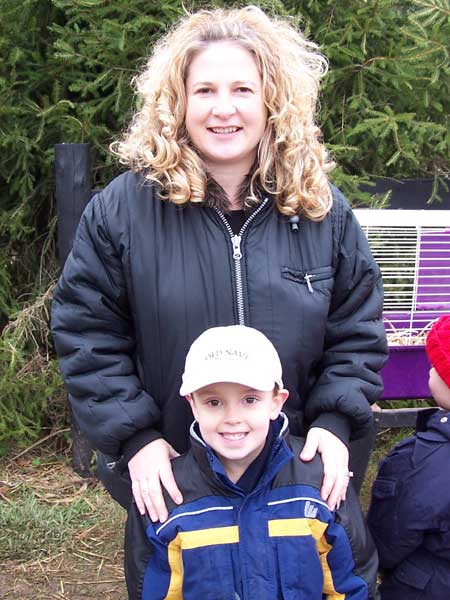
438, 347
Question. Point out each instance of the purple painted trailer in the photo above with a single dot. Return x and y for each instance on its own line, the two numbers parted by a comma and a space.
405, 375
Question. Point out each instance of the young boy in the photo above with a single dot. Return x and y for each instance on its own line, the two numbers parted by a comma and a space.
409, 516
253, 524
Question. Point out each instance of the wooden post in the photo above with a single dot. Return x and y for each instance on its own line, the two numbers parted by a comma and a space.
73, 192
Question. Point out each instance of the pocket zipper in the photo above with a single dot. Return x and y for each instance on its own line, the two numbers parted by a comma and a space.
307, 278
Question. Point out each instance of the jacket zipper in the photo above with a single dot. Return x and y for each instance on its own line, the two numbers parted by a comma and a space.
237, 257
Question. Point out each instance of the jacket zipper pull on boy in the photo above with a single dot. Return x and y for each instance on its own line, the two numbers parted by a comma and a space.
308, 282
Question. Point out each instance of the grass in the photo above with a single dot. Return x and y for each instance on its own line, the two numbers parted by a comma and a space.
60, 536
45, 505
30, 528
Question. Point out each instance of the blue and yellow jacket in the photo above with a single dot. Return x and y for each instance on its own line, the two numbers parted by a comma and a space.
280, 541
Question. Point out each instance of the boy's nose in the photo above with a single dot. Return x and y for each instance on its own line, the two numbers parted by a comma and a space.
233, 420
233, 417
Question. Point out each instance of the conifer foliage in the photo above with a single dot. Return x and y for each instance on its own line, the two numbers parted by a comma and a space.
65, 77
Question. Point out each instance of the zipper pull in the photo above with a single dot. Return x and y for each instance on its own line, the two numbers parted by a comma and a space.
236, 241
294, 221
308, 282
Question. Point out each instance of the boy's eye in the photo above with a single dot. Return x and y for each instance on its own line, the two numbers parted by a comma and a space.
213, 402
251, 400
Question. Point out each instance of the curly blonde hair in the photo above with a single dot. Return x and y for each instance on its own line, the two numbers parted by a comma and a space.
292, 163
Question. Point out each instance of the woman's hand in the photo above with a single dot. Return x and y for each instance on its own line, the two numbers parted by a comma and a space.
335, 464
149, 468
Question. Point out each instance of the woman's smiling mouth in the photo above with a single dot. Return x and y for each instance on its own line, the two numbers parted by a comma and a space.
224, 130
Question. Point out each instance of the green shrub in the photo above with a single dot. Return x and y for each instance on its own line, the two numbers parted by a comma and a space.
31, 392
64, 76
385, 100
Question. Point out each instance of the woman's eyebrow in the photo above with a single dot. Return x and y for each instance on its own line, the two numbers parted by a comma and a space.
237, 82
245, 82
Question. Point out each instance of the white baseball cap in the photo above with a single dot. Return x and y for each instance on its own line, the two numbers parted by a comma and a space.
235, 354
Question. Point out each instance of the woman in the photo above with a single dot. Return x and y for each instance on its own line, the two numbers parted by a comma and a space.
226, 216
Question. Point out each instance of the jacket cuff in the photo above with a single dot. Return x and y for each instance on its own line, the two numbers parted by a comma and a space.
135, 443
335, 422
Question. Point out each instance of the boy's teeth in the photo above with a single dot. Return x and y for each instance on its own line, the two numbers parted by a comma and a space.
233, 436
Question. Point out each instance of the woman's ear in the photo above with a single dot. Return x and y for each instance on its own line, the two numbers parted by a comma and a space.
278, 400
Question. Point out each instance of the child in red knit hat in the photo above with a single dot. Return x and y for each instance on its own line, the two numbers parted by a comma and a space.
409, 516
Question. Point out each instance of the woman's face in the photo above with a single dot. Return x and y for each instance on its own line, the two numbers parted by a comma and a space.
225, 114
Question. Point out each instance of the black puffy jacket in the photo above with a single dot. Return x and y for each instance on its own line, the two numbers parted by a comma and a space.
145, 277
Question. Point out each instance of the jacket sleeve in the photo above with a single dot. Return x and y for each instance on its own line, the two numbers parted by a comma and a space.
94, 337
355, 346
153, 567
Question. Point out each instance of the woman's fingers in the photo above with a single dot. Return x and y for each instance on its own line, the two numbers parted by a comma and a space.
334, 455
333, 490
136, 489
155, 499
168, 481
148, 469
311, 445
328, 483
142, 498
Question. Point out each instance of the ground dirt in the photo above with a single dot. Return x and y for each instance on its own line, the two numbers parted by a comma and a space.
88, 564
63, 577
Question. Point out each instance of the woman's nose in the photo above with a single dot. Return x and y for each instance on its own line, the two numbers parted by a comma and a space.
223, 106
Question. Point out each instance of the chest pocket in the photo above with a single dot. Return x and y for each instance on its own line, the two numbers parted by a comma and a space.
314, 280
309, 298
209, 572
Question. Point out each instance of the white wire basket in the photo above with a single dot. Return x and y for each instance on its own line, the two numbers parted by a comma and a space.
412, 248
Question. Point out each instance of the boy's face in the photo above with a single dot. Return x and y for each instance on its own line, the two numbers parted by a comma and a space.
439, 389
234, 421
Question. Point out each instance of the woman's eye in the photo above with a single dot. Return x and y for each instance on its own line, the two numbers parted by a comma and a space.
203, 90
243, 89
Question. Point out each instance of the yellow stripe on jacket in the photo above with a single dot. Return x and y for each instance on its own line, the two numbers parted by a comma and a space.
187, 540
303, 527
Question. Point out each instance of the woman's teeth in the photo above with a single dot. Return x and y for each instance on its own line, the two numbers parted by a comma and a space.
224, 129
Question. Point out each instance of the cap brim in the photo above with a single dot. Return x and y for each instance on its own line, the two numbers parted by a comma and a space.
261, 384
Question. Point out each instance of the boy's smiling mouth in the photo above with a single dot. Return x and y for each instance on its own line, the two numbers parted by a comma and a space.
240, 435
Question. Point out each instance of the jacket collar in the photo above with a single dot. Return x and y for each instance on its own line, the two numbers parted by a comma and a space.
279, 454
433, 425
